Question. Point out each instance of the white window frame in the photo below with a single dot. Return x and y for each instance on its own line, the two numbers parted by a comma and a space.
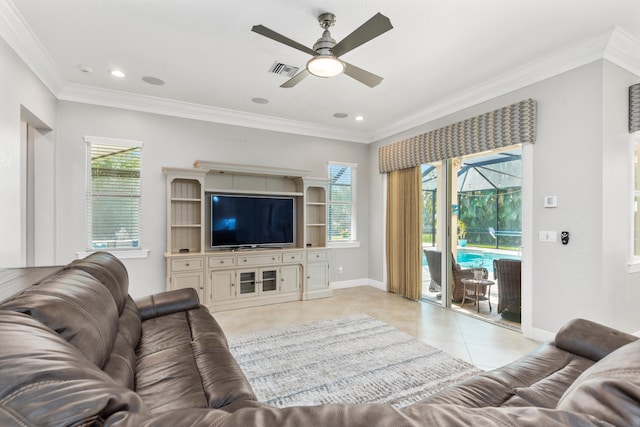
122, 253
352, 242
634, 260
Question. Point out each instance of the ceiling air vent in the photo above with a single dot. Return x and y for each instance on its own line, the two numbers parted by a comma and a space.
283, 69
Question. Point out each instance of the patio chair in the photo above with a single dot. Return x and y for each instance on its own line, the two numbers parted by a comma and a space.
508, 275
434, 259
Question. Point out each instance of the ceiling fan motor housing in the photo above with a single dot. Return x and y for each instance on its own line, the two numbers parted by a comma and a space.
324, 44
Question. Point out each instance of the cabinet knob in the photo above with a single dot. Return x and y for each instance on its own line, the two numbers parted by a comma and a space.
187, 264
244, 260
273, 258
308, 277
221, 262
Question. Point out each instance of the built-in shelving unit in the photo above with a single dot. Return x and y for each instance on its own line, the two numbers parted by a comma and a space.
228, 279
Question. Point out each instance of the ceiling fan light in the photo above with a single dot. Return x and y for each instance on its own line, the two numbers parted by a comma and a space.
325, 66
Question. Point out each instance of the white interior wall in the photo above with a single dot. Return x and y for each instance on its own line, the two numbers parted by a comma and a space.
19, 87
176, 142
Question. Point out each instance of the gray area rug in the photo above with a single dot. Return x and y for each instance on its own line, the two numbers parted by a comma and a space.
357, 359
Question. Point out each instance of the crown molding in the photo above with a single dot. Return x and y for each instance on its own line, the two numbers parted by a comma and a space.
149, 104
623, 50
557, 63
18, 35
615, 45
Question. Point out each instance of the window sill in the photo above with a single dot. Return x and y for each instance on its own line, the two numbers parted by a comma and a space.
344, 245
126, 254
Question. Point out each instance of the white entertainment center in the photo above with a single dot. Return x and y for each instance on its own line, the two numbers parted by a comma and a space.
236, 277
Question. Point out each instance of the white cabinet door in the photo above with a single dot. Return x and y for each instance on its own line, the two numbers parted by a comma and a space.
193, 280
317, 275
290, 278
222, 285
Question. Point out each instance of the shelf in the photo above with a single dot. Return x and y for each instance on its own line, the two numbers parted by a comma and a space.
186, 225
251, 192
316, 225
316, 204
182, 199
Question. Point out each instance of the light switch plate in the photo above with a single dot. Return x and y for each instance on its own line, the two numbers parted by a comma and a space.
548, 236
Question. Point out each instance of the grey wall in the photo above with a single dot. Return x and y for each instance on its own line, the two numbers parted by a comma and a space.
179, 142
582, 156
19, 87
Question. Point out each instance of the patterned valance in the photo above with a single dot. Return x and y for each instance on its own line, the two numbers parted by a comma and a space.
634, 108
515, 124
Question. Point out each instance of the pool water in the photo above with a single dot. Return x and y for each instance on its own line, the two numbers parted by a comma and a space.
476, 259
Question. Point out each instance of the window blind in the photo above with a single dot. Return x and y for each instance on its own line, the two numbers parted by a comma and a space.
113, 193
340, 203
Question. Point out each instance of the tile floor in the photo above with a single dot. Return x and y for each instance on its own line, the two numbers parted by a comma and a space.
481, 343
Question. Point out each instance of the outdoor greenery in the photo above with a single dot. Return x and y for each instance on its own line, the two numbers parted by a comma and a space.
479, 212
485, 210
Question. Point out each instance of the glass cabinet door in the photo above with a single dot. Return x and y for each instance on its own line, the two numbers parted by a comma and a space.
269, 280
247, 282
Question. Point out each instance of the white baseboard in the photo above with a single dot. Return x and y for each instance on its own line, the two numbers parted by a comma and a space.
344, 284
541, 335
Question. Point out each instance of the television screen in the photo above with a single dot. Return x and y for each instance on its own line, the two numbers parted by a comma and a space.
238, 220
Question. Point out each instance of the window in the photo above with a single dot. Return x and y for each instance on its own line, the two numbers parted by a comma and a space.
342, 185
635, 244
113, 194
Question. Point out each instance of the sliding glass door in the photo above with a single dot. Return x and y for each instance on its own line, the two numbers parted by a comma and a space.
475, 201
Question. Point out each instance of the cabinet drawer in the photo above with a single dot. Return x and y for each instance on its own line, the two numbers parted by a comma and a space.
187, 264
218, 262
292, 257
259, 259
317, 256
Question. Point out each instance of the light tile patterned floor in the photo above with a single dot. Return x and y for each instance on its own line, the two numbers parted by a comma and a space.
485, 345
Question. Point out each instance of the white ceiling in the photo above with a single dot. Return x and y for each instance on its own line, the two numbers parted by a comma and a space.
440, 55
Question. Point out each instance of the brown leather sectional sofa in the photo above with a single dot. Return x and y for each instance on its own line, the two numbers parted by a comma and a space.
75, 349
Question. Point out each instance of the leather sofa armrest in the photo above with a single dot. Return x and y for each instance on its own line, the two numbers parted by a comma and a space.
167, 302
589, 339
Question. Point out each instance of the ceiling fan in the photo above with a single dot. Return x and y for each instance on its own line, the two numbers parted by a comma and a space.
326, 52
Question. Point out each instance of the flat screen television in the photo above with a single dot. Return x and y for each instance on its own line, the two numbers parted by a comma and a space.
253, 221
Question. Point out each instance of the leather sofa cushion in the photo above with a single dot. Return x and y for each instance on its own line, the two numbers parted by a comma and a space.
610, 389
184, 362
121, 365
589, 339
45, 381
76, 306
537, 379
108, 270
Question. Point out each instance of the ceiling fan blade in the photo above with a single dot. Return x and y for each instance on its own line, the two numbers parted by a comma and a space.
361, 75
371, 29
262, 30
295, 79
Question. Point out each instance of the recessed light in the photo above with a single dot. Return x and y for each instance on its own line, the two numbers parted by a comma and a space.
117, 73
340, 115
260, 100
359, 118
153, 80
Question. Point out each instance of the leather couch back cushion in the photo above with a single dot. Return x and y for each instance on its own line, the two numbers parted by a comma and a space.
610, 389
110, 271
47, 381
76, 306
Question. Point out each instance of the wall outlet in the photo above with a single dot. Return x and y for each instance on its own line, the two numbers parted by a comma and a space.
339, 270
